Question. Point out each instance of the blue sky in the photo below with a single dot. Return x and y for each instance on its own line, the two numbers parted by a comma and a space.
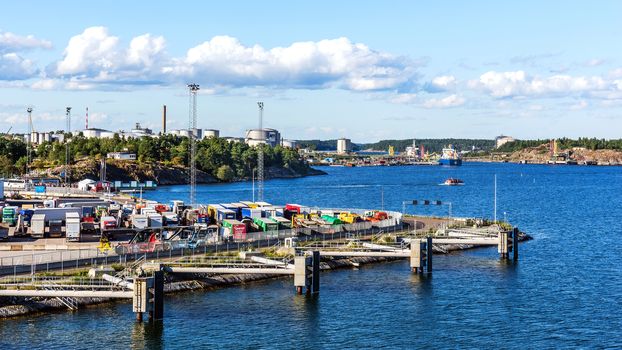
366, 70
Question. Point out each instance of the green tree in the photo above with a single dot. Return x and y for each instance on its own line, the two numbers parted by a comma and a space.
225, 173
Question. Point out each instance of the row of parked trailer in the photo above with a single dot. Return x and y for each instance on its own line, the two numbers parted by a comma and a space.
71, 219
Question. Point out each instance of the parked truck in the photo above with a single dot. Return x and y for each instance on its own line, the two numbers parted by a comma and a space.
233, 229
251, 213
155, 220
37, 225
265, 225
9, 215
170, 218
57, 213
107, 223
225, 214
72, 227
140, 221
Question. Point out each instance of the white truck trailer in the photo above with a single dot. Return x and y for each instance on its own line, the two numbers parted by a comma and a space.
72, 227
37, 225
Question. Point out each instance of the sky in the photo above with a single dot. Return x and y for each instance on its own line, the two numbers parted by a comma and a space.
365, 70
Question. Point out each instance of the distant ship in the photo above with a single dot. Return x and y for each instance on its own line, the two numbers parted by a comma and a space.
450, 157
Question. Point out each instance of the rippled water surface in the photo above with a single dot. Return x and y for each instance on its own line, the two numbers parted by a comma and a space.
566, 290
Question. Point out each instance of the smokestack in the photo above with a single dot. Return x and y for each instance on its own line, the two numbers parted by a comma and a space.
163, 119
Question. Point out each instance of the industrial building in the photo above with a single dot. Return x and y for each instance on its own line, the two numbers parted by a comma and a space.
289, 143
121, 155
344, 146
198, 133
37, 138
254, 137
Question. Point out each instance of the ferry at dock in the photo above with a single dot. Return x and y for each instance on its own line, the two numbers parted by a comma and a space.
450, 157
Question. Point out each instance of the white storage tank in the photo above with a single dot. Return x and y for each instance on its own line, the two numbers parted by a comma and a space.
207, 133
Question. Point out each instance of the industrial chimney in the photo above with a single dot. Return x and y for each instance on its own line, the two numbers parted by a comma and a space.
163, 119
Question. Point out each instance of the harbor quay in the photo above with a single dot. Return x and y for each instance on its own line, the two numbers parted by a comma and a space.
73, 251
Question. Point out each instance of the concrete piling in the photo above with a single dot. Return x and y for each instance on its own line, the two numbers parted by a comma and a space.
508, 243
140, 297
301, 273
421, 255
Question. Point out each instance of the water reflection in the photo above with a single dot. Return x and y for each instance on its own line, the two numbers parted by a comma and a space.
147, 335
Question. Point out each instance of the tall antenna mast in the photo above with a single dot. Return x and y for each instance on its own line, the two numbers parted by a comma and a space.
86, 125
260, 170
192, 126
29, 149
67, 133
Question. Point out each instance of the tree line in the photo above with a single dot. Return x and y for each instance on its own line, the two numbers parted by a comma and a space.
215, 156
431, 145
564, 143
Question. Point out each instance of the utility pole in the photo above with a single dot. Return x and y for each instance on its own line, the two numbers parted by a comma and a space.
495, 213
29, 149
260, 168
192, 126
67, 153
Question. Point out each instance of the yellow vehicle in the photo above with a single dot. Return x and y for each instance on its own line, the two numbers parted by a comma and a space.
349, 218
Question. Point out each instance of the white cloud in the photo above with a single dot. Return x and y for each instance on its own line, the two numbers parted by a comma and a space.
595, 62
15, 67
93, 52
536, 107
95, 58
405, 98
326, 63
45, 84
441, 84
10, 42
145, 50
446, 102
519, 84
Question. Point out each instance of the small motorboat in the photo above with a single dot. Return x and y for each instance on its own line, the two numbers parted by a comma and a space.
453, 182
